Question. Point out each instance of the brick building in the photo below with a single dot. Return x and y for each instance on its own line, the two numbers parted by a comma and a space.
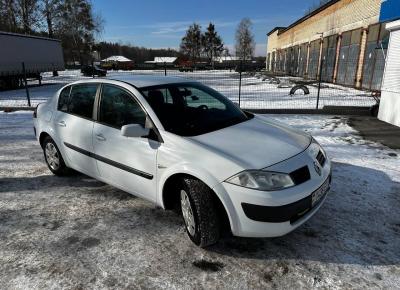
343, 40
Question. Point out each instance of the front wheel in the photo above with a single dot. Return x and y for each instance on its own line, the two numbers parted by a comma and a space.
199, 212
53, 157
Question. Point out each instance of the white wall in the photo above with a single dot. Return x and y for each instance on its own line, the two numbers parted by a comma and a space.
389, 109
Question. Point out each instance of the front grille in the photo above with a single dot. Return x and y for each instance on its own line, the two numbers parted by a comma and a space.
300, 175
321, 158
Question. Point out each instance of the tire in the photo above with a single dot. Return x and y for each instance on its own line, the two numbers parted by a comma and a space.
195, 196
374, 110
53, 158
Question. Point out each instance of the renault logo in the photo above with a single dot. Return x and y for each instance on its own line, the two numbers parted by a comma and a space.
317, 168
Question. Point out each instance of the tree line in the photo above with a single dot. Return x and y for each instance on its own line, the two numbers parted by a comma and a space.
71, 21
138, 54
208, 45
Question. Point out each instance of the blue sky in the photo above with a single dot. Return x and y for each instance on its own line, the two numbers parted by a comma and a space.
162, 23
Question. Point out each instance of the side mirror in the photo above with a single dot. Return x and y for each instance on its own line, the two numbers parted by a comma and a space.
134, 130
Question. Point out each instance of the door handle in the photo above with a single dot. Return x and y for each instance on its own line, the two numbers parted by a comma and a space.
61, 124
100, 137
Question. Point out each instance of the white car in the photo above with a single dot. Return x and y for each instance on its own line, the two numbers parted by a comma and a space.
184, 146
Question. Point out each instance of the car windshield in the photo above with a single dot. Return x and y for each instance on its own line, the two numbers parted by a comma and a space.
190, 109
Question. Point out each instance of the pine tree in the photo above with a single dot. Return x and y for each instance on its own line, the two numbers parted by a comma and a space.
191, 44
212, 43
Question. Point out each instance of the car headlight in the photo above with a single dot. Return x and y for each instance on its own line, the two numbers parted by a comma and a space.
262, 180
314, 148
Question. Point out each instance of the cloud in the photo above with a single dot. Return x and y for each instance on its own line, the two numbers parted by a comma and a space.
181, 26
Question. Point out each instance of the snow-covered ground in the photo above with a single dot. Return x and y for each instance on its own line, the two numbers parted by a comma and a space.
255, 93
78, 233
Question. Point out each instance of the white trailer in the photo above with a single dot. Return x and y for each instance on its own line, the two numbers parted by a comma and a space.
35, 54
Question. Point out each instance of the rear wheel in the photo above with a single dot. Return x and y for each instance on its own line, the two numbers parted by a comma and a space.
199, 212
53, 157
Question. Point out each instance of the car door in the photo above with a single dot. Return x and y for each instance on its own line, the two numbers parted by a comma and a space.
74, 126
129, 163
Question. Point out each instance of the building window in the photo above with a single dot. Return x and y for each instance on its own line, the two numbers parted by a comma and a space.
348, 57
374, 60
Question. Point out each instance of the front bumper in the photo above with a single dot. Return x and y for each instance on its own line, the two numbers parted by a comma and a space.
290, 212
254, 213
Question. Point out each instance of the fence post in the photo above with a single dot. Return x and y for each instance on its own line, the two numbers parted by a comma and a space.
319, 81
165, 68
92, 69
26, 84
240, 80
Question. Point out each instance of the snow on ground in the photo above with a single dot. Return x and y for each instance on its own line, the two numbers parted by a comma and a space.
255, 93
76, 232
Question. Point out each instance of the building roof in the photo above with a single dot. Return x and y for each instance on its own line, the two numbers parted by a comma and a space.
226, 58
275, 29
117, 58
304, 18
163, 59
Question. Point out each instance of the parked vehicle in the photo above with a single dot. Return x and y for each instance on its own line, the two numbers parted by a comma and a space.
93, 70
39, 54
186, 68
184, 146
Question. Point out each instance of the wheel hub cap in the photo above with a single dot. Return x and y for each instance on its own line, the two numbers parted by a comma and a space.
187, 213
52, 156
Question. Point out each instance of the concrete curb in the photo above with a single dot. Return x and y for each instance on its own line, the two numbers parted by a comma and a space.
13, 109
327, 110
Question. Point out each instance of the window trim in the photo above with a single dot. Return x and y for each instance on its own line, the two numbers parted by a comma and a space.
58, 99
97, 103
69, 99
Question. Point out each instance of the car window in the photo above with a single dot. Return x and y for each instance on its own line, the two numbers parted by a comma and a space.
119, 108
82, 99
162, 93
196, 98
191, 109
63, 99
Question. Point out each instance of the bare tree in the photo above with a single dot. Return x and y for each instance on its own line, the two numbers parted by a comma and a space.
78, 27
245, 44
50, 10
28, 14
8, 17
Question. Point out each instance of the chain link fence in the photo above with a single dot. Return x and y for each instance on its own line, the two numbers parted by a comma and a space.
250, 86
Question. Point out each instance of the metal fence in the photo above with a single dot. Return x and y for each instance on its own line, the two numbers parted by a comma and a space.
252, 88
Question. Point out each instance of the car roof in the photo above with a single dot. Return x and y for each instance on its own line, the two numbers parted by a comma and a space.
141, 81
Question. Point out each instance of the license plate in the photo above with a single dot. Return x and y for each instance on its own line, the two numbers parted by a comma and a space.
319, 193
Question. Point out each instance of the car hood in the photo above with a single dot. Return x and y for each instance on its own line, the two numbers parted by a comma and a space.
256, 143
